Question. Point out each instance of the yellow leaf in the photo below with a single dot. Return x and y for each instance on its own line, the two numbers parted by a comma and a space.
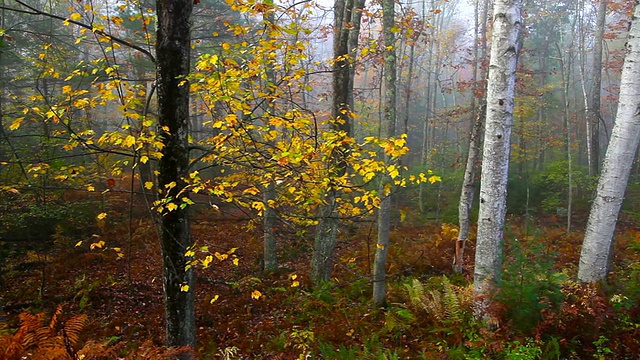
90, 188
171, 185
380, 246
78, 243
207, 261
258, 205
97, 245
129, 141
226, 46
148, 185
75, 16
236, 261
295, 284
101, 216
66, 89
214, 299
232, 251
144, 159
171, 206
16, 124
256, 294
184, 288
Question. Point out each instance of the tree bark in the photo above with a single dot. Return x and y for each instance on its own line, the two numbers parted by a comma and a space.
326, 231
173, 60
473, 156
594, 114
598, 239
505, 44
387, 130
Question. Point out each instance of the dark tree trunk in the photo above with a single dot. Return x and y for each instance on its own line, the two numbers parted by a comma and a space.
326, 231
594, 115
173, 56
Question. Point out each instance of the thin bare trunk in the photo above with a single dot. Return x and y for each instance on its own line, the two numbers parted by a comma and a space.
473, 156
387, 130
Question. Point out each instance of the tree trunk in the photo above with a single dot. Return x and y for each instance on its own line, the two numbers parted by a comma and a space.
505, 44
594, 115
598, 239
387, 130
565, 73
326, 231
428, 109
173, 57
473, 156
270, 248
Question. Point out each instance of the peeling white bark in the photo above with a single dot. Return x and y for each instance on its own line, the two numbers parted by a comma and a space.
505, 44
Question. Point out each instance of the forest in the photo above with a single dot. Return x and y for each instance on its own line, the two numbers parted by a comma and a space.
316, 179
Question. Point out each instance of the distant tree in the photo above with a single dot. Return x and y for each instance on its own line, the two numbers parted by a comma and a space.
593, 114
597, 246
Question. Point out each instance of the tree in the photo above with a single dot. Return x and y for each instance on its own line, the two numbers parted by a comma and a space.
387, 130
593, 114
477, 117
505, 45
173, 46
596, 249
326, 231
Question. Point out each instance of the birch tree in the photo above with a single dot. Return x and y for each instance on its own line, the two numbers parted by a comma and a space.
505, 44
596, 248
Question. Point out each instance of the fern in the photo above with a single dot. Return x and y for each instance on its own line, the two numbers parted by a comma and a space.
52, 340
452, 299
448, 306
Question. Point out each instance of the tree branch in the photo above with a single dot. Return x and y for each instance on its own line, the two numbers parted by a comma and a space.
35, 11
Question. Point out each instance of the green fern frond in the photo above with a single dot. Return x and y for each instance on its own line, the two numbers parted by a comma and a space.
451, 302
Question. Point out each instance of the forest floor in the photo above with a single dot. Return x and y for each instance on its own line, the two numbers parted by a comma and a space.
243, 314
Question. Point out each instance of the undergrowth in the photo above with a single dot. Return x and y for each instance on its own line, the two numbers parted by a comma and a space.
539, 312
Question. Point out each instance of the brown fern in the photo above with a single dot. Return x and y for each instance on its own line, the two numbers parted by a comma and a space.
57, 339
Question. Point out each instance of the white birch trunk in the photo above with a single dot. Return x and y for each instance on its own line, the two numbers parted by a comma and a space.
505, 44
596, 249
